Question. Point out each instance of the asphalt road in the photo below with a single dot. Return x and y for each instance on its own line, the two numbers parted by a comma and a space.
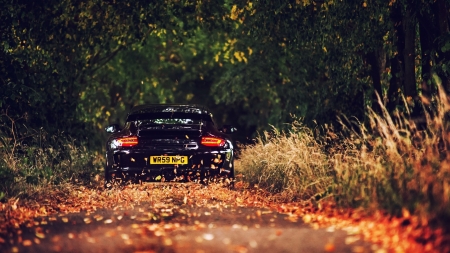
178, 227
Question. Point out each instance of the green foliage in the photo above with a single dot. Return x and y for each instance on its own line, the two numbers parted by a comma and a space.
90, 61
69, 68
36, 160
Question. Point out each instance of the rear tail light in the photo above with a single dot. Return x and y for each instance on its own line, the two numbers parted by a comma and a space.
213, 142
127, 141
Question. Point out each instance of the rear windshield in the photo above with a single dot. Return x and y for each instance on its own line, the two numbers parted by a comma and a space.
169, 118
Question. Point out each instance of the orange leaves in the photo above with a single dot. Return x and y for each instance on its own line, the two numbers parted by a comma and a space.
406, 213
329, 247
27, 243
307, 218
39, 233
148, 207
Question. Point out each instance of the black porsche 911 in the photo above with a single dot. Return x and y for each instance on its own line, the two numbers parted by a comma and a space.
169, 142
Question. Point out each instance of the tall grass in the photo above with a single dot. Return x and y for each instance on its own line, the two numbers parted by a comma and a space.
390, 164
292, 164
32, 161
399, 165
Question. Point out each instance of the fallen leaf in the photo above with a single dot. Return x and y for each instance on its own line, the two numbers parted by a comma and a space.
40, 235
329, 247
307, 218
110, 233
167, 241
358, 249
240, 249
208, 237
351, 239
406, 213
98, 217
27, 243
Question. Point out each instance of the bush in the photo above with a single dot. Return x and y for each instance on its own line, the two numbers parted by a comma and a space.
31, 160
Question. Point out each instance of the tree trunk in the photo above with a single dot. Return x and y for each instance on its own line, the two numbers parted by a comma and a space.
441, 18
442, 15
397, 61
375, 73
427, 33
409, 84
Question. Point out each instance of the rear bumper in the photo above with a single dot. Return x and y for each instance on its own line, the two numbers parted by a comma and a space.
135, 163
170, 174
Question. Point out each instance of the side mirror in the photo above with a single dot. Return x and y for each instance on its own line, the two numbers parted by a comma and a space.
228, 129
112, 128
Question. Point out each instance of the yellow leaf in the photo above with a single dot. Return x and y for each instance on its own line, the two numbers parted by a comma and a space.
250, 51
307, 218
405, 213
40, 235
234, 13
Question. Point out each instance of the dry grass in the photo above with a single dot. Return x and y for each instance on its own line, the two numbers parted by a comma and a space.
389, 165
292, 164
397, 166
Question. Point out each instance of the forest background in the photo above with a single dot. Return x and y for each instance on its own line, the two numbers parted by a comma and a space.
69, 68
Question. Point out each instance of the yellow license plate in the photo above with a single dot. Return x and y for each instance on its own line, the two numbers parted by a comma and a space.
168, 159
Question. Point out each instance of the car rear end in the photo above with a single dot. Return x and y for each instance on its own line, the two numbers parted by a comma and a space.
170, 147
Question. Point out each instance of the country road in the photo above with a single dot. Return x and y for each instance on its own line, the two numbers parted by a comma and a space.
177, 225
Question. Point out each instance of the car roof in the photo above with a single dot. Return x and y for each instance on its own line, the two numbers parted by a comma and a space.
183, 108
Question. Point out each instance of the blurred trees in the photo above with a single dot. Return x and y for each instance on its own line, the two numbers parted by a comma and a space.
76, 66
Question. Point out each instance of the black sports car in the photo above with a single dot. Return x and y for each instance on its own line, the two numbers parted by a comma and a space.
169, 142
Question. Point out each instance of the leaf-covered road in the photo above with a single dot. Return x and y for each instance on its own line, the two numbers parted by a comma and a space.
188, 218
176, 227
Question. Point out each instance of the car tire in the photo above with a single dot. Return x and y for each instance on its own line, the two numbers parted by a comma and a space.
232, 177
108, 181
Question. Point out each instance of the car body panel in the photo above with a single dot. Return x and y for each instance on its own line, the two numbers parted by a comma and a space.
169, 130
